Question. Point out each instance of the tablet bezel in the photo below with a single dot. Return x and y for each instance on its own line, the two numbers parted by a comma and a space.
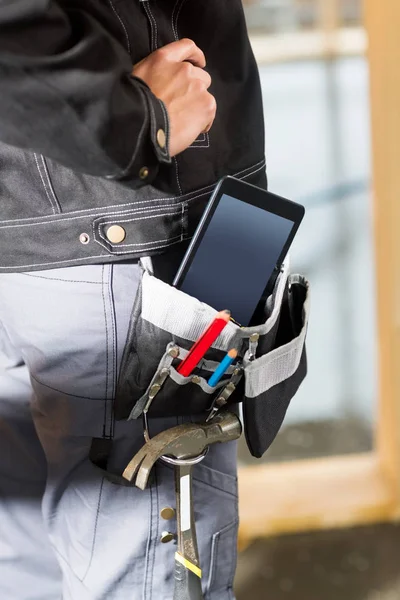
250, 194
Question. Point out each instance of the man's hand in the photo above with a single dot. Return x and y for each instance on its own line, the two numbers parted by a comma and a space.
175, 74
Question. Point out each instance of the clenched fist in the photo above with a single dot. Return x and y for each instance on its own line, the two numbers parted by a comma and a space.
175, 74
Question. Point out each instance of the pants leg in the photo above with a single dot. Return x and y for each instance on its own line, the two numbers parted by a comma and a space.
28, 568
70, 326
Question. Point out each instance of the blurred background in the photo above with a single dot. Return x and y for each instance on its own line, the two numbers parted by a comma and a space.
318, 153
314, 74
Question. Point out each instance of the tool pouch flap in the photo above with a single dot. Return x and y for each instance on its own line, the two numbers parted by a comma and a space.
165, 322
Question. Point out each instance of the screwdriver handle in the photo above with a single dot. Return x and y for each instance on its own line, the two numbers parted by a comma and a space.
187, 584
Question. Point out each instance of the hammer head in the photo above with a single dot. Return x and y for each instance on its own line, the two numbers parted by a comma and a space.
184, 441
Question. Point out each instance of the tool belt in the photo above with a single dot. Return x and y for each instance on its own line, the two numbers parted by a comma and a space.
272, 358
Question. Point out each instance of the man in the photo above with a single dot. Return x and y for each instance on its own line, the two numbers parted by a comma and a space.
117, 118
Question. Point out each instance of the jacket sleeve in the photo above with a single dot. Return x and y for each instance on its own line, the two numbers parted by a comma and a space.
66, 91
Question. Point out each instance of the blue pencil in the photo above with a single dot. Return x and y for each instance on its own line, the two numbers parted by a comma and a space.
222, 367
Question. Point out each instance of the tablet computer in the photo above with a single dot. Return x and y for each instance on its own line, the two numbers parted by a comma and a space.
238, 248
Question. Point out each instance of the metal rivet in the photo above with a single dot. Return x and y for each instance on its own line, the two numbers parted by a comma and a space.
174, 352
154, 389
167, 513
166, 537
237, 371
161, 138
84, 238
196, 379
116, 234
143, 173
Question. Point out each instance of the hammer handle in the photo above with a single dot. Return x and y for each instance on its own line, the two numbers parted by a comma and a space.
187, 584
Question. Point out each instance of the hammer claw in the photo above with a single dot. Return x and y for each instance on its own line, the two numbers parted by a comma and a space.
135, 464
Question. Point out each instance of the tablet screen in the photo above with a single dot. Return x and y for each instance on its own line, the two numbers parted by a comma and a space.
236, 257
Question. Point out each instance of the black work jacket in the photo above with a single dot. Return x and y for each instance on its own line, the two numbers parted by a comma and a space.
80, 137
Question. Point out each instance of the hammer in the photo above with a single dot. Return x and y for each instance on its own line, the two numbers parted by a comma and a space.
184, 446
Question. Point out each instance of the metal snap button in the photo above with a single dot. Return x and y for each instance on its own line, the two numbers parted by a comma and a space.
167, 513
144, 173
166, 537
161, 138
116, 234
84, 238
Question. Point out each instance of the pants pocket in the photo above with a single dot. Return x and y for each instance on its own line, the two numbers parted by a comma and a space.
223, 561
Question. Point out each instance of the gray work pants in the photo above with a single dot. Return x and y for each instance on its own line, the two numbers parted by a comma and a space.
65, 530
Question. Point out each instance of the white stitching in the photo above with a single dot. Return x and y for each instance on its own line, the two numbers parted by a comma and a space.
104, 220
178, 8
175, 238
44, 184
133, 220
177, 17
60, 279
122, 25
155, 28
153, 122
57, 262
173, 20
116, 246
145, 5
177, 176
199, 145
182, 220
103, 256
61, 220
252, 173
93, 212
99, 225
166, 120
50, 185
154, 32
114, 252
146, 210
136, 212
163, 151
70, 260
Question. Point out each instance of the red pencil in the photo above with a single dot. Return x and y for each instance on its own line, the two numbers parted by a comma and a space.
204, 343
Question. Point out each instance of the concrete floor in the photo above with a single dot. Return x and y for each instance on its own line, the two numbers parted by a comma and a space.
356, 564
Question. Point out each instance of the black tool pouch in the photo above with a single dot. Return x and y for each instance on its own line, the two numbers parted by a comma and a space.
164, 324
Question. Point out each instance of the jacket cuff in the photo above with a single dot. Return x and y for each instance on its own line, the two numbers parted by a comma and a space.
152, 144
159, 127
